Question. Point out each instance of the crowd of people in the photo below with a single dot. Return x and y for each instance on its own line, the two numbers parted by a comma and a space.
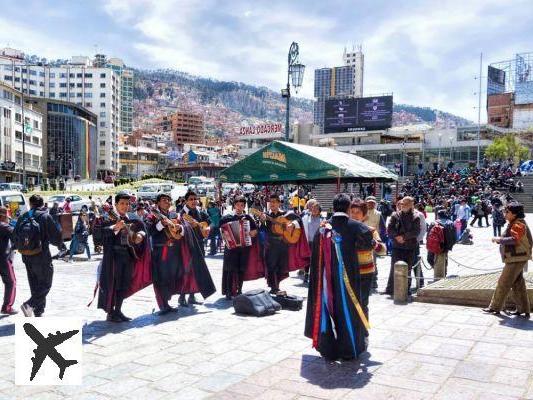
164, 243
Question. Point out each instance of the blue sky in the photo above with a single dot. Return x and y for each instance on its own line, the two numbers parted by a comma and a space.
425, 52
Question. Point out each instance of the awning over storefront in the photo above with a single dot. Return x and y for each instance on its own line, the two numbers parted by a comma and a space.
282, 162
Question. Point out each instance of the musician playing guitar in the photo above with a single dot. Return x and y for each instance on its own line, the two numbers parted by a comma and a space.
277, 249
236, 259
200, 227
166, 252
124, 239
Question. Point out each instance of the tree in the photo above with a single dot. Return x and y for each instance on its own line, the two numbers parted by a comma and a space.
508, 146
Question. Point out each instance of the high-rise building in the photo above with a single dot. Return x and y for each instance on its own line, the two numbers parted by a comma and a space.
126, 95
356, 59
331, 82
187, 127
97, 86
13, 111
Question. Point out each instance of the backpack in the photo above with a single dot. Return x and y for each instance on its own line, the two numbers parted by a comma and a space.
27, 235
450, 236
255, 302
497, 218
435, 239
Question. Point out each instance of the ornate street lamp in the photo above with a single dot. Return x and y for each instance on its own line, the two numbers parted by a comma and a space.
296, 71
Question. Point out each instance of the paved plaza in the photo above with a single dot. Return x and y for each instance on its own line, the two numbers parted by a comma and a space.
417, 351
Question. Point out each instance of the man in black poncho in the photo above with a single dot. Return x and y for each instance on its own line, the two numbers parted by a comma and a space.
335, 319
236, 259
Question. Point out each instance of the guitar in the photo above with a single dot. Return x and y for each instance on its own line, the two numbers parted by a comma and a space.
279, 227
131, 234
204, 226
173, 230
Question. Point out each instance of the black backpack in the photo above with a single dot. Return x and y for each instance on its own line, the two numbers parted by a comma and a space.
27, 237
255, 302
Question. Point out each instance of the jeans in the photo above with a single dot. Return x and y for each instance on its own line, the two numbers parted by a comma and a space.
74, 246
497, 230
214, 236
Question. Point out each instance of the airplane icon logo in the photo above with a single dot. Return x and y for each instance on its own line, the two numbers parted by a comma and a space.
46, 347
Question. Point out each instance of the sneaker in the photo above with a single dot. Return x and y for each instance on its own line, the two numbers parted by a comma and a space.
27, 310
9, 311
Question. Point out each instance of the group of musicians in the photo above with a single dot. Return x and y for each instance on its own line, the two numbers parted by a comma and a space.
167, 249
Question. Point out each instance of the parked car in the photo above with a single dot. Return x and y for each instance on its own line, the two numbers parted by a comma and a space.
12, 186
76, 202
179, 191
15, 201
150, 191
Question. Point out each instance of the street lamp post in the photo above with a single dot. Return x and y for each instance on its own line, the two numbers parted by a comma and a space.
451, 148
296, 71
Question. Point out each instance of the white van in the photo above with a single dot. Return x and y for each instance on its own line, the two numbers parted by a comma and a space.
15, 201
150, 191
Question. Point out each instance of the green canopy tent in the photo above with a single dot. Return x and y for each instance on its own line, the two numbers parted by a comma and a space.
283, 162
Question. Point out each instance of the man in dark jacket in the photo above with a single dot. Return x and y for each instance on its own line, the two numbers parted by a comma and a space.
39, 265
403, 229
7, 271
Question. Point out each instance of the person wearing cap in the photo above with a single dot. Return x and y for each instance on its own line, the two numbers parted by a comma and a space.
125, 267
515, 249
7, 271
374, 220
440, 263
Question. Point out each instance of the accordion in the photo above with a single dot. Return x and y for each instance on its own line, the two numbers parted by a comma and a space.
236, 234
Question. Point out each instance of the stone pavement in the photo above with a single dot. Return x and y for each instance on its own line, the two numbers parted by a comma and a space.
417, 351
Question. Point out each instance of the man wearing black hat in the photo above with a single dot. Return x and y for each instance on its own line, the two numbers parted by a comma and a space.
166, 252
126, 263
34, 232
516, 249
6, 263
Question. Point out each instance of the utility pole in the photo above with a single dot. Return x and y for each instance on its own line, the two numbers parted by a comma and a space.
479, 112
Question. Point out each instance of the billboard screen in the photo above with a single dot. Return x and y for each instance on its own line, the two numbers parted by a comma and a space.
361, 114
496, 81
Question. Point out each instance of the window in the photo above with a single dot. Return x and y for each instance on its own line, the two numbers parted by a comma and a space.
35, 161
71, 75
41, 84
88, 85
32, 82
35, 140
102, 75
17, 79
8, 78
52, 75
8, 95
32, 72
102, 114
63, 84
88, 105
79, 85
102, 105
78, 94
72, 94
62, 94
35, 124
102, 85
52, 85
88, 75
102, 162
89, 95
7, 113
62, 75
79, 75
18, 135
41, 94
18, 117
102, 142
102, 95
71, 85
33, 92
41, 74
52, 95
102, 124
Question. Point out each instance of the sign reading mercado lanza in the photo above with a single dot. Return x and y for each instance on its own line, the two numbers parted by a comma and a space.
261, 129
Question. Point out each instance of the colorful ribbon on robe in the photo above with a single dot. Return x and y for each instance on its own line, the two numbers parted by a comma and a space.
347, 284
